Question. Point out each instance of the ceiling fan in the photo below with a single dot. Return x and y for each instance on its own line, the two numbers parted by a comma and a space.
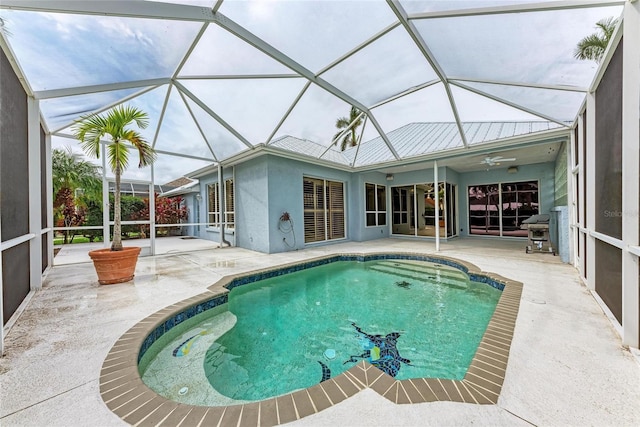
495, 160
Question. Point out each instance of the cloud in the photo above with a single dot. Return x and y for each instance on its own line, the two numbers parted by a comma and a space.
66, 50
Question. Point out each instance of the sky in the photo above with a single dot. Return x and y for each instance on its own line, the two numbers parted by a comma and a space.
215, 110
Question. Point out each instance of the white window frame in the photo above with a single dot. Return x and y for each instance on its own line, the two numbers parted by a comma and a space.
377, 210
229, 214
215, 210
327, 210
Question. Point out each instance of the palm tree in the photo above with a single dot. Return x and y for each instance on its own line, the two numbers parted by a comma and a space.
71, 173
593, 46
349, 139
90, 129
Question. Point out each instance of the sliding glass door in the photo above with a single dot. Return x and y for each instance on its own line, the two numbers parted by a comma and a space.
414, 210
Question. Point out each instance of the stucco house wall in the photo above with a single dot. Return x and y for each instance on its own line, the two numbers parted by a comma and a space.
269, 185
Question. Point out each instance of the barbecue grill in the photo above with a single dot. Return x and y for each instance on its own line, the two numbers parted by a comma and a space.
538, 233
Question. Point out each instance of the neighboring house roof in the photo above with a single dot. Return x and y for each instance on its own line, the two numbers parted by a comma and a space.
137, 189
189, 186
183, 180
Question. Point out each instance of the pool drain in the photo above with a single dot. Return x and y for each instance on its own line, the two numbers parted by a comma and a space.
183, 391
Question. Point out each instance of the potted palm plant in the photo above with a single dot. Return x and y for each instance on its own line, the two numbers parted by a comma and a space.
116, 264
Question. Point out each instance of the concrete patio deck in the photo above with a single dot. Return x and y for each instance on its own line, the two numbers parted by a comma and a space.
566, 367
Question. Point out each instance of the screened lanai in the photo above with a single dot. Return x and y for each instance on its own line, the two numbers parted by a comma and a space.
480, 104
453, 84
221, 78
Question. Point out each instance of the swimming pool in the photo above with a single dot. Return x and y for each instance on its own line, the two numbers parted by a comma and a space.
480, 383
410, 319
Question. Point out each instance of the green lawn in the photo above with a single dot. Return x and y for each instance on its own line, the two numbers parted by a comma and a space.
76, 239
59, 240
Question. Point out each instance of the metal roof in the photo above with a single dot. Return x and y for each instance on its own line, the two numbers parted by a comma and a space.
311, 149
414, 139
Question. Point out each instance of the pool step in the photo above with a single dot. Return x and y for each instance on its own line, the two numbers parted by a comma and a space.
427, 269
454, 281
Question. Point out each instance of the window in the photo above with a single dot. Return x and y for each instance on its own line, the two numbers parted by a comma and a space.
229, 207
400, 205
323, 210
499, 209
213, 204
375, 205
519, 202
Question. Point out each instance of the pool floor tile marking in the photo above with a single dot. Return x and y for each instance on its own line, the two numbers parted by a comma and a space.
402, 398
135, 403
213, 416
117, 388
268, 413
485, 387
438, 389
493, 355
481, 373
497, 336
176, 416
313, 404
333, 391
412, 392
286, 410
195, 416
119, 402
487, 367
139, 403
463, 392
114, 384
423, 388
451, 390
157, 416
382, 383
231, 416
144, 411
483, 397
346, 385
359, 375
303, 404
250, 415
392, 393
485, 384
119, 392
319, 398
498, 333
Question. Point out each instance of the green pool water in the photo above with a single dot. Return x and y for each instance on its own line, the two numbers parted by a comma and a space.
414, 319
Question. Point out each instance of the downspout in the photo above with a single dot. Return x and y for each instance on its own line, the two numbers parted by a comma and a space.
222, 206
436, 187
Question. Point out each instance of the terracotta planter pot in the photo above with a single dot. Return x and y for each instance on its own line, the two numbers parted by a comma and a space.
115, 266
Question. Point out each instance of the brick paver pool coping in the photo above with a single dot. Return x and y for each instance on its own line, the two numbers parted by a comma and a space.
125, 394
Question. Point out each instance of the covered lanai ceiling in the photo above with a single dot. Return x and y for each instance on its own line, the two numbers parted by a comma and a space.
221, 77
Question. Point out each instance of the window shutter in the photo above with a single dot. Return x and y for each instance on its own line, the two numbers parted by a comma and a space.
229, 204
335, 193
314, 230
323, 210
